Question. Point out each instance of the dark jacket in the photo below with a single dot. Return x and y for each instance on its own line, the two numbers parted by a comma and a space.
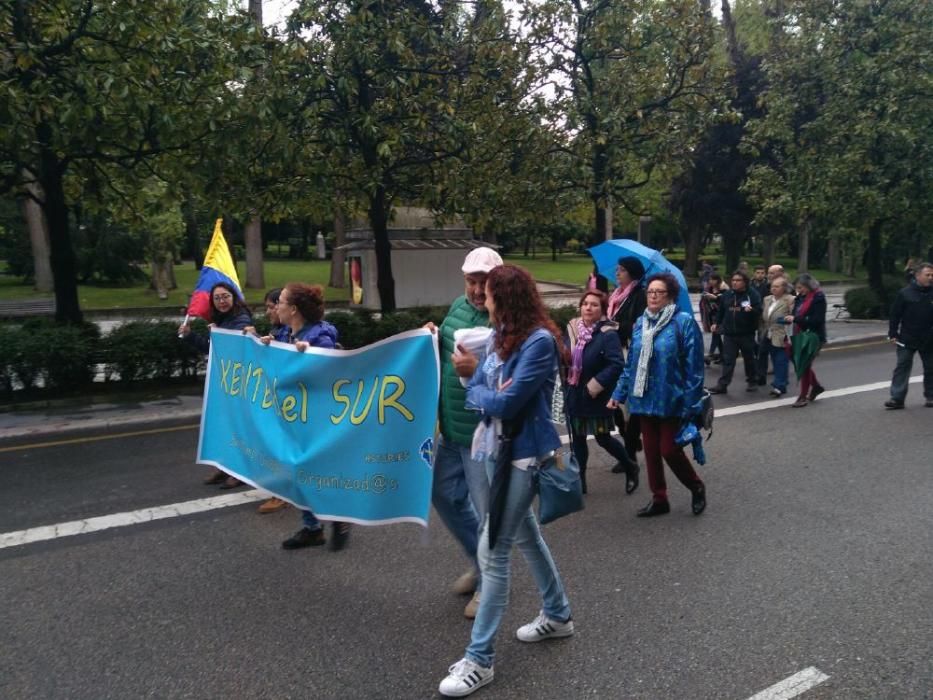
815, 320
602, 361
733, 319
763, 288
320, 334
633, 307
233, 322
912, 317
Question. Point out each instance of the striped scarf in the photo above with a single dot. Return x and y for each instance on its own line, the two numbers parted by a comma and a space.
584, 335
648, 332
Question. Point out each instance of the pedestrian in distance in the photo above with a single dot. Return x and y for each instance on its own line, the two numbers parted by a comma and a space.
301, 309
626, 304
737, 320
809, 319
460, 488
663, 384
512, 390
911, 331
228, 311
595, 366
710, 301
597, 281
777, 306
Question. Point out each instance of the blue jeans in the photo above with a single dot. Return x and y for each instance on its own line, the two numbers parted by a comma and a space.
309, 521
519, 527
780, 363
460, 493
901, 379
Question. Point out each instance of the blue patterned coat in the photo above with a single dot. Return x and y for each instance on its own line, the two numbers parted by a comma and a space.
675, 373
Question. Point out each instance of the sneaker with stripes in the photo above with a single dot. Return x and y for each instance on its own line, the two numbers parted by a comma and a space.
543, 627
465, 677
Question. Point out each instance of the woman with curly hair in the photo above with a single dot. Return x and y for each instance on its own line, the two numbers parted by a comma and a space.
512, 389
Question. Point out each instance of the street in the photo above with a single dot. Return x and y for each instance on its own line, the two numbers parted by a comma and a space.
814, 552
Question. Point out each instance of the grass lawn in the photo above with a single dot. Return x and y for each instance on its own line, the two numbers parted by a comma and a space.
568, 269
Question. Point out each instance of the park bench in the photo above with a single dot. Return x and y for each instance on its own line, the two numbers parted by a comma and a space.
19, 308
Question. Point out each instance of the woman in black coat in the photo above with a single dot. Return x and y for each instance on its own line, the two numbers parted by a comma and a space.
596, 363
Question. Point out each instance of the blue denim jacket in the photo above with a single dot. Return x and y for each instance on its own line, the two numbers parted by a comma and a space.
675, 372
532, 370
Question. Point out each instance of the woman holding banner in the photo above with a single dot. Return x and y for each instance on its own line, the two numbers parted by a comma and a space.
228, 311
300, 309
512, 389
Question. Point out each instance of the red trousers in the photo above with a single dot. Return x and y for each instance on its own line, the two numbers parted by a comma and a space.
657, 436
807, 382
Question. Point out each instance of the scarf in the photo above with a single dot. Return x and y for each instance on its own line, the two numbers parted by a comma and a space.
618, 297
584, 335
804, 309
648, 332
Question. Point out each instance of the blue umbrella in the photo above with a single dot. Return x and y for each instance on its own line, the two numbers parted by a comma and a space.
606, 255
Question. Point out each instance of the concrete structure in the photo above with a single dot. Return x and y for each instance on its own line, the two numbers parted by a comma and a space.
426, 260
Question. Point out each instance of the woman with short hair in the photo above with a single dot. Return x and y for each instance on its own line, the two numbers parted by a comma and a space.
809, 319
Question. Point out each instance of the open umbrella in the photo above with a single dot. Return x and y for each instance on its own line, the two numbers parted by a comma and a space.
607, 257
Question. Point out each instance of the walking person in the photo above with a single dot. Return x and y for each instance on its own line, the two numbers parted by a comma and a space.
776, 307
228, 311
809, 319
626, 305
737, 320
596, 363
710, 300
460, 488
514, 384
663, 384
301, 309
911, 331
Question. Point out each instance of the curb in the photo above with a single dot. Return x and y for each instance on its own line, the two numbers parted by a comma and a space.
63, 427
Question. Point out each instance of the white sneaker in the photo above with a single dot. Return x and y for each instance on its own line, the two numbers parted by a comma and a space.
465, 677
543, 627
465, 584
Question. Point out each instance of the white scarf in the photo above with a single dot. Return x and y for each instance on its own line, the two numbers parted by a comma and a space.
648, 332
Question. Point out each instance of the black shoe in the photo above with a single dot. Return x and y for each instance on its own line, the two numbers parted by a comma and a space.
893, 404
762, 381
618, 468
716, 389
631, 478
305, 538
816, 391
654, 508
929, 403
699, 500
751, 387
583, 481
339, 534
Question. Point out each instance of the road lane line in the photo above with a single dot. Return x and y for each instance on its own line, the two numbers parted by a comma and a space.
791, 687
95, 438
135, 517
106, 522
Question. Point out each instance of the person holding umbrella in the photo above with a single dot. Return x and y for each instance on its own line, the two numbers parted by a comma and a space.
809, 319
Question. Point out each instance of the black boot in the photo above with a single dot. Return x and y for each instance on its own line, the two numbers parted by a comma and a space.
631, 477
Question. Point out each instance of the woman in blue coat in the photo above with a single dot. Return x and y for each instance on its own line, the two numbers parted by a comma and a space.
663, 383
595, 366
514, 384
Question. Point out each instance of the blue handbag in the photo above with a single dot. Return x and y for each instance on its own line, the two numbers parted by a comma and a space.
560, 491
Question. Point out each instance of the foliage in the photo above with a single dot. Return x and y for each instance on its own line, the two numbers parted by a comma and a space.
62, 357
148, 350
864, 302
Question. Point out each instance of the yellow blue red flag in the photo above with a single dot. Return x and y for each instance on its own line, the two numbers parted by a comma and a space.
218, 267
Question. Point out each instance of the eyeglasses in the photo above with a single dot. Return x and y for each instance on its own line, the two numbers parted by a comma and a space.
223, 297
656, 292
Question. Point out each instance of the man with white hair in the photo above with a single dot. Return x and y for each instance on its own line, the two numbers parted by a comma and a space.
460, 491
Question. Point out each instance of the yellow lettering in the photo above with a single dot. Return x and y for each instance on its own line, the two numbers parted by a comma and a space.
360, 417
235, 382
287, 405
246, 377
268, 398
304, 402
392, 401
256, 373
340, 399
224, 370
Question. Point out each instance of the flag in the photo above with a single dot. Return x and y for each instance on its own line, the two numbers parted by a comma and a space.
218, 267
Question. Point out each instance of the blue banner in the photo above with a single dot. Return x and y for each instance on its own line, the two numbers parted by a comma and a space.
346, 433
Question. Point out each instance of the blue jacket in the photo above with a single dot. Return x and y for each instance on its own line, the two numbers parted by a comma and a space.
675, 372
231, 323
602, 361
532, 369
318, 335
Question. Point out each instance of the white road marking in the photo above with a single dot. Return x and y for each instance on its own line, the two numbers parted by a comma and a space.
135, 517
791, 687
145, 515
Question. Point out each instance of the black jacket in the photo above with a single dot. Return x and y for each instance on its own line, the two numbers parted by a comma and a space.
602, 360
763, 288
733, 318
912, 317
233, 322
630, 311
815, 318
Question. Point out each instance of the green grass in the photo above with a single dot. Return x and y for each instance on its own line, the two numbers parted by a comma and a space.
568, 269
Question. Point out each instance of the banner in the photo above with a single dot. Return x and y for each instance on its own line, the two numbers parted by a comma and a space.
346, 433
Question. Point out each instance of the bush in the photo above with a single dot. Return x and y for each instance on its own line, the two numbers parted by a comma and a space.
863, 302
562, 315
148, 350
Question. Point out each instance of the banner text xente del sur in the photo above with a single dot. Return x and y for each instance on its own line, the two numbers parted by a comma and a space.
348, 433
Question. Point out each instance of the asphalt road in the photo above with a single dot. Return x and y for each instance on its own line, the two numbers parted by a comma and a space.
814, 551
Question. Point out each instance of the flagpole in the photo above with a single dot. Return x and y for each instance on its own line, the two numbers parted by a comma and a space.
184, 323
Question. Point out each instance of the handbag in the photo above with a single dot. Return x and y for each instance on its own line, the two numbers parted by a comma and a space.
560, 491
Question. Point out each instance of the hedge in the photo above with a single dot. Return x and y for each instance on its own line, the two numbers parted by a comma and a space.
863, 302
41, 356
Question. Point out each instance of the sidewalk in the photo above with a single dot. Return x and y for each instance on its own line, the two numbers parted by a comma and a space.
131, 414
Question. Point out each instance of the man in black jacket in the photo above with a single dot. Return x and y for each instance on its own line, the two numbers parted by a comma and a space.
911, 330
739, 311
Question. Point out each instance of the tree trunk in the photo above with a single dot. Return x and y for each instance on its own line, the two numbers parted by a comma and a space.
252, 239
160, 267
833, 254
769, 237
732, 245
38, 238
873, 260
803, 247
338, 259
191, 233
379, 221
692, 246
